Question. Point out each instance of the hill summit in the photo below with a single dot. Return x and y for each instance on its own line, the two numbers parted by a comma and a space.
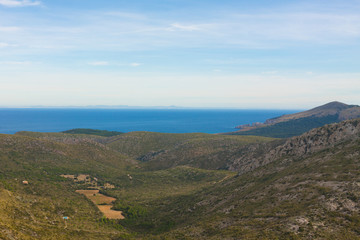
290, 125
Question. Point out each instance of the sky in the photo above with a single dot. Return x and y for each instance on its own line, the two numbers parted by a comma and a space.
280, 54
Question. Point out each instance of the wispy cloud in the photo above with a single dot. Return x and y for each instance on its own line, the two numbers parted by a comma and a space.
9, 29
270, 72
99, 63
126, 15
270, 41
15, 63
126, 31
19, 3
183, 27
114, 64
2, 45
135, 64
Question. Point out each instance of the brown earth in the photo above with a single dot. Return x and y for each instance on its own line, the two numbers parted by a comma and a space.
104, 203
109, 213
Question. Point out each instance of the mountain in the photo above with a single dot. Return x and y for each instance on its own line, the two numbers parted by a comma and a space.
308, 143
178, 186
295, 124
310, 190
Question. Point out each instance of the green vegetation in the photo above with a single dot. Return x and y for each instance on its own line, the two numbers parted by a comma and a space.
170, 186
290, 125
41, 160
103, 133
290, 128
36, 211
307, 198
166, 150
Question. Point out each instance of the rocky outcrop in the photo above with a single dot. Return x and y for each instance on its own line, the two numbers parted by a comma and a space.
319, 138
313, 141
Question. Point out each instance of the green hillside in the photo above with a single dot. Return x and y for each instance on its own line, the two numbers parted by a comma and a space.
316, 197
306, 187
290, 125
165, 150
290, 128
206, 152
103, 133
137, 144
307, 196
41, 161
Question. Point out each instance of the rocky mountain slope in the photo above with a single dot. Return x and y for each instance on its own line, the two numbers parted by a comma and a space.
311, 142
298, 123
310, 189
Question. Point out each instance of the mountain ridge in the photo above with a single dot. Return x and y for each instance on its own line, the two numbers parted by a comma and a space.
297, 123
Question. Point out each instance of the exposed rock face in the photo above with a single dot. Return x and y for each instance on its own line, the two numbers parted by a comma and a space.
253, 156
310, 142
319, 138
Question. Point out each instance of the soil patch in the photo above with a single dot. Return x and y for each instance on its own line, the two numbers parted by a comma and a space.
104, 203
109, 213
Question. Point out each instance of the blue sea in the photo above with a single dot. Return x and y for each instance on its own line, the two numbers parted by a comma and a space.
127, 120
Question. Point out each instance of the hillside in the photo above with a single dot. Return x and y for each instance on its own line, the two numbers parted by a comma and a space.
299, 195
40, 159
103, 133
304, 187
36, 210
310, 142
166, 150
295, 124
208, 152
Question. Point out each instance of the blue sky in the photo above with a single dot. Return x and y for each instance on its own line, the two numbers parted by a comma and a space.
238, 54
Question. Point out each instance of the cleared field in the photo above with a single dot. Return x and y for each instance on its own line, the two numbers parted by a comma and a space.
96, 197
109, 213
104, 203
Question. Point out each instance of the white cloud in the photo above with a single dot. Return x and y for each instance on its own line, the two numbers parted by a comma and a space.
182, 27
15, 63
105, 63
9, 29
19, 3
270, 72
2, 45
127, 15
99, 63
135, 64
295, 26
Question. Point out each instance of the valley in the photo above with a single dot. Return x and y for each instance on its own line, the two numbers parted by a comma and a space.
144, 185
104, 203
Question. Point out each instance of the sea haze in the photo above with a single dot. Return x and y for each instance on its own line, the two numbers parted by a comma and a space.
127, 120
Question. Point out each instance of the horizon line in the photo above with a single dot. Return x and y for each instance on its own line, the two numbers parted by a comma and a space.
140, 107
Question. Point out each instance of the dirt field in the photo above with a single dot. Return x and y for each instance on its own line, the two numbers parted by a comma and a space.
96, 197
105, 201
109, 213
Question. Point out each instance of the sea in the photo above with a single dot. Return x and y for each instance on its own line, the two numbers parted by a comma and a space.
13, 120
